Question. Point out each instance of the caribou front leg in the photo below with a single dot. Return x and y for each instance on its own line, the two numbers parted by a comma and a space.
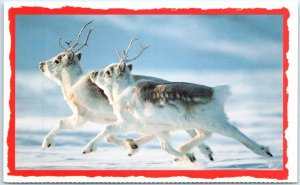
67, 123
131, 144
108, 135
204, 149
134, 145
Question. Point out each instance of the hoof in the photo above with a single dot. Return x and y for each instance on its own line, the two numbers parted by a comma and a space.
210, 157
206, 151
47, 142
131, 152
134, 146
269, 154
86, 152
264, 151
91, 147
191, 157
131, 146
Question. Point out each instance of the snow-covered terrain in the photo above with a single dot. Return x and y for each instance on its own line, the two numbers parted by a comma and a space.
255, 107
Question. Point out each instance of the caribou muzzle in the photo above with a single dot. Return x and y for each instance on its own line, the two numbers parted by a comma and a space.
93, 76
41, 66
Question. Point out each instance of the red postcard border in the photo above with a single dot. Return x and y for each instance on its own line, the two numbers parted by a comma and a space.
207, 174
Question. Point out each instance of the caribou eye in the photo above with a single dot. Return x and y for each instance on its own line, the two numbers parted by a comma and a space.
56, 61
107, 73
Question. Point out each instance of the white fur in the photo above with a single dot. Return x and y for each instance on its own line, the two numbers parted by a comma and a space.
77, 93
137, 115
73, 83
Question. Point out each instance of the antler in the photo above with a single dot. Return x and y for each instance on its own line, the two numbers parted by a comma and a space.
124, 58
68, 43
79, 35
61, 45
70, 48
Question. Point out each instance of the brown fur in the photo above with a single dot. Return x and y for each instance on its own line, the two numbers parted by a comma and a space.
96, 92
60, 56
185, 93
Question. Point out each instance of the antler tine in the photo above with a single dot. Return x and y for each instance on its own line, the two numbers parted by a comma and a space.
86, 40
118, 53
128, 48
125, 53
68, 43
124, 58
142, 50
61, 45
79, 35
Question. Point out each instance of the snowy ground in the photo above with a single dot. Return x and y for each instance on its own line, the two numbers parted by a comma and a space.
66, 154
255, 108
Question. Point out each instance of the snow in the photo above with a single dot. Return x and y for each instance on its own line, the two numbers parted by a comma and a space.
255, 107
66, 154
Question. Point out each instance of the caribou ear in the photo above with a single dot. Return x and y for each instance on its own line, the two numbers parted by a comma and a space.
130, 67
122, 66
78, 55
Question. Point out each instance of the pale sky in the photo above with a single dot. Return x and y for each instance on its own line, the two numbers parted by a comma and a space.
190, 44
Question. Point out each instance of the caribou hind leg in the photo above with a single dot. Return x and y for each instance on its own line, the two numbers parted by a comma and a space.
204, 149
231, 131
164, 138
134, 145
200, 136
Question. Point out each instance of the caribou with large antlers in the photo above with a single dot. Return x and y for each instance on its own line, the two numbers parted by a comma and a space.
70, 48
156, 108
87, 101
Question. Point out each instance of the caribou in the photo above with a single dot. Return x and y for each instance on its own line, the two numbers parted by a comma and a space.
151, 107
87, 101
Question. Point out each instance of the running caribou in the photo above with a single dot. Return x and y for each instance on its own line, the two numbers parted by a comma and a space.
87, 101
156, 108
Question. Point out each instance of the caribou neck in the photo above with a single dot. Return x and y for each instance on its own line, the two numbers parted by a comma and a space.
118, 88
69, 77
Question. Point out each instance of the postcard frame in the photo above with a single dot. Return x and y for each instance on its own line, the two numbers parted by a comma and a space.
287, 174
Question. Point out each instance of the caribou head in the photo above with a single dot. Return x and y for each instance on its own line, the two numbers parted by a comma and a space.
67, 61
118, 74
